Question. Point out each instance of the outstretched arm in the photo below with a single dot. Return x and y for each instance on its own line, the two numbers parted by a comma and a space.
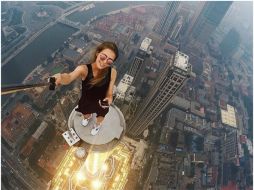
67, 78
109, 95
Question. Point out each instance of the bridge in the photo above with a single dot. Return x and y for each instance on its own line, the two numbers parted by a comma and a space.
72, 24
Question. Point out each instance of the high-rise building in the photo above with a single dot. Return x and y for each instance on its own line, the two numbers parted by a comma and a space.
140, 57
123, 86
209, 18
239, 53
176, 28
230, 148
167, 17
230, 43
167, 85
136, 64
195, 11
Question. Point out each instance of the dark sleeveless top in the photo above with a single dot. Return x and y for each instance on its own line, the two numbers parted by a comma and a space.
91, 94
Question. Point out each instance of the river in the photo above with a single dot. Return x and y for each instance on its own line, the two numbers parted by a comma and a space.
16, 70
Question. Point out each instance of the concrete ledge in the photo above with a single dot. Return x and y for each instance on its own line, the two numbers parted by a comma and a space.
113, 129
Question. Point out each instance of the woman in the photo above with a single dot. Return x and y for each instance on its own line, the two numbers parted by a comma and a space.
98, 79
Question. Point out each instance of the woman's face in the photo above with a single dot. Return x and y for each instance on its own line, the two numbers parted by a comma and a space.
105, 58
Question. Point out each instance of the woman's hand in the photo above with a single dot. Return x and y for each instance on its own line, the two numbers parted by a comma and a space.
108, 100
58, 78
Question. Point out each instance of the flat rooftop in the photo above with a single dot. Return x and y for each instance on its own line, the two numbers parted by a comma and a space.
113, 129
228, 116
145, 44
181, 61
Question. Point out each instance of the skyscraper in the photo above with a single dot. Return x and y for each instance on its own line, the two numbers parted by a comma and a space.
167, 17
167, 85
136, 64
176, 28
194, 13
230, 148
230, 43
209, 18
139, 58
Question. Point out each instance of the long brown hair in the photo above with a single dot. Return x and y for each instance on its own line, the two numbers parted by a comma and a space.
105, 45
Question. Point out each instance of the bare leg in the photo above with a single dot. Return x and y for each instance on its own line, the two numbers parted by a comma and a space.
99, 120
96, 127
86, 116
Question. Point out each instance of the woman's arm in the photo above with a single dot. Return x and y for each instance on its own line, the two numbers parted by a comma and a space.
109, 95
67, 78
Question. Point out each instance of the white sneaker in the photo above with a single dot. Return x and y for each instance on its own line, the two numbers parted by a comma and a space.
95, 130
84, 122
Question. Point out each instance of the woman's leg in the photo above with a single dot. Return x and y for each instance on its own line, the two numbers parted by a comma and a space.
96, 128
85, 120
99, 120
87, 116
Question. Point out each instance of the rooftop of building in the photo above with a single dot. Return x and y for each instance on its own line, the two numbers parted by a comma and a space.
12, 125
27, 148
10, 128
40, 130
181, 61
145, 44
71, 53
228, 116
23, 111
125, 83
53, 154
78, 43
